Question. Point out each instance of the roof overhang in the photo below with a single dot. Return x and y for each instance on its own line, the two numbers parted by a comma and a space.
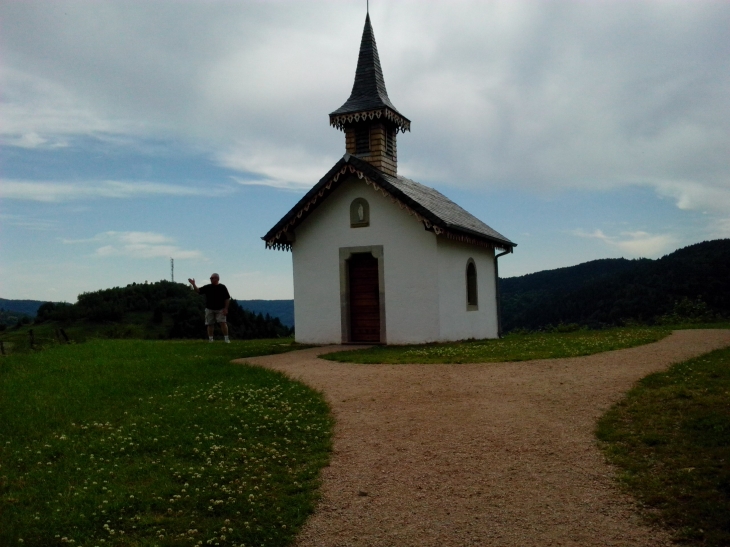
281, 235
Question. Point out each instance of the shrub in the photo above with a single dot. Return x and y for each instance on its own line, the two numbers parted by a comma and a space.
688, 310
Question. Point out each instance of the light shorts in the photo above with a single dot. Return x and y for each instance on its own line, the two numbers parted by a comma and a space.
214, 316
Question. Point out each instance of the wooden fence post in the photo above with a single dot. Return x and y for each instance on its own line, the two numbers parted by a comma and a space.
32, 338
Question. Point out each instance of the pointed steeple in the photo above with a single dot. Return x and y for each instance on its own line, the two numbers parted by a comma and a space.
368, 118
368, 91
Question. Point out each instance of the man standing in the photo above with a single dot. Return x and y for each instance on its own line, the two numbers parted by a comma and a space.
217, 300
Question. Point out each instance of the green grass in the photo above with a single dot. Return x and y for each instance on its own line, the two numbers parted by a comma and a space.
513, 347
670, 438
129, 442
48, 335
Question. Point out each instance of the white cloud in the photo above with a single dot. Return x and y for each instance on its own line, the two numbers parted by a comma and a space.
47, 191
510, 94
140, 238
39, 112
26, 140
693, 195
560, 95
273, 183
29, 222
720, 228
137, 245
638, 244
267, 165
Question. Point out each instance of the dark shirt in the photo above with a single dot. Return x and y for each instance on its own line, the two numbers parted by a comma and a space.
215, 296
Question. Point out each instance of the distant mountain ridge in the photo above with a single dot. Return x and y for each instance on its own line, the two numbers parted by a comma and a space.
28, 307
692, 281
283, 309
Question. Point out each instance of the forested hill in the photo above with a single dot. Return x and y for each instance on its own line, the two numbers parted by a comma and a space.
691, 283
165, 309
11, 310
566, 279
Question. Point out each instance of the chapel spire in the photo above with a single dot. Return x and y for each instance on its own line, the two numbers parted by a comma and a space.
368, 118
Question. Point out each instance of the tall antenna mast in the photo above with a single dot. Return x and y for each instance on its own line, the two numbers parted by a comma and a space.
172, 269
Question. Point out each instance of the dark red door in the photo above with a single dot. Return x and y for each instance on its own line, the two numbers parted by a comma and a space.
364, 299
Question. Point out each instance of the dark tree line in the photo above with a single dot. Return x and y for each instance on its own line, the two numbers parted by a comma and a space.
692, 283
163, 303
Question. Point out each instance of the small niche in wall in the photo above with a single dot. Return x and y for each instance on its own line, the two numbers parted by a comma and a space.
359, 213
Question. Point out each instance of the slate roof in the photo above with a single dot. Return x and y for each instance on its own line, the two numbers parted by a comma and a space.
368, 91
434, 207
449, 214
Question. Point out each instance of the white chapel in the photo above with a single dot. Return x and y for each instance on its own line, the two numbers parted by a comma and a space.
379, 258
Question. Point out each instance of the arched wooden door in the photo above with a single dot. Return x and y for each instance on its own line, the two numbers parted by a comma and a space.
364, 298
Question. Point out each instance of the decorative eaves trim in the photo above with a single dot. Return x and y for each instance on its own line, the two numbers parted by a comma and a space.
282, 240
340, 121
281, 243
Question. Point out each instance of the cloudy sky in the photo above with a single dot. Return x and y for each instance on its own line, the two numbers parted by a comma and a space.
132, 132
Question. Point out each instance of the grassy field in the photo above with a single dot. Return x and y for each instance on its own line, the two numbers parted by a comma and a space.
513, 347
46, 335
670, 438
128, 442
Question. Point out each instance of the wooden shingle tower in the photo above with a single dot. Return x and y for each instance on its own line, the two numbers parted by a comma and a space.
370, 121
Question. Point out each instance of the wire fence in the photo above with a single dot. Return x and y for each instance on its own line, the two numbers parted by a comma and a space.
33, 341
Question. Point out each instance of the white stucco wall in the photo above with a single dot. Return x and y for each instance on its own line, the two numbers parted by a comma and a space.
455, 320
410, 268
424, 275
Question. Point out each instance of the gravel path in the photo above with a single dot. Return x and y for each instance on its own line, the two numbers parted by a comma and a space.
499, 454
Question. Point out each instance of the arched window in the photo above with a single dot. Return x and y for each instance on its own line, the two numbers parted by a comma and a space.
359, 213
471, 285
